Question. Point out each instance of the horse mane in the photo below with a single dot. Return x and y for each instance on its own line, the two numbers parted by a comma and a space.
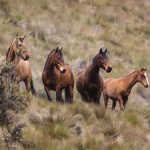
132, 73
48, 58
9, 53
52, 51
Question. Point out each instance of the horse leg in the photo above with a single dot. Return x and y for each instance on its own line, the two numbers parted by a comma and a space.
106, 98
84, 95
32, 88
113, 104
27, 84
59, 94
69, 94
47, 93
97, 99
125, 99
120, 100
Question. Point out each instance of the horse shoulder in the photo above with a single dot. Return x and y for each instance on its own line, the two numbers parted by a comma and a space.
68, 75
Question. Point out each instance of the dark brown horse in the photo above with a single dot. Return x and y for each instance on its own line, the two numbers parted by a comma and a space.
58, 76
19, 55
90, 83
120, 89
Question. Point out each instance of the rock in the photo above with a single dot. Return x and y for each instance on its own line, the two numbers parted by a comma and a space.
77, 129
82, 64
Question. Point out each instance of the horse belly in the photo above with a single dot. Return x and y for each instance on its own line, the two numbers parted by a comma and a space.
93, 89
111, 91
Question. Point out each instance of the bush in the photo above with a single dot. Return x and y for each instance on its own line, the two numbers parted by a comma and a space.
11, 102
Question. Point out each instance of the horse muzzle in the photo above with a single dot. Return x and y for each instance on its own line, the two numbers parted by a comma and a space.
109, 69
27, 57
146, 85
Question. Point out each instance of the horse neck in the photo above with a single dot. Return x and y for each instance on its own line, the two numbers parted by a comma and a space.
93, 71
48, 66
131, 80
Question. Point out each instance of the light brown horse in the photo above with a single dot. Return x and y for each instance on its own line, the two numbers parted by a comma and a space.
19, 55
120, 89
89, 83
58, 76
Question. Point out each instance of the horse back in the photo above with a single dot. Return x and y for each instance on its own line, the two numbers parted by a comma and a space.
108, 80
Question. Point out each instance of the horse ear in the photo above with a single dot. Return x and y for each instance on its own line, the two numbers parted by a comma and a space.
101, 50
61, 49
17, 37
57, 49
106, 50
24, 37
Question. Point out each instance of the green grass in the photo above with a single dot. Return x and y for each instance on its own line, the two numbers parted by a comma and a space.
55, 130
133, 119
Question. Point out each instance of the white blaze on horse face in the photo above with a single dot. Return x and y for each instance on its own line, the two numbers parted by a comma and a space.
146, 78
62, 69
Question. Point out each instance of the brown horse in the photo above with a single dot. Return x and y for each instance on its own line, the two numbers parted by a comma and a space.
58, 76
19, 55
120, 89
90, 83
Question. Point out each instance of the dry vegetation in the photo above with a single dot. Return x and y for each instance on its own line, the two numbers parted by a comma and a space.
82, 27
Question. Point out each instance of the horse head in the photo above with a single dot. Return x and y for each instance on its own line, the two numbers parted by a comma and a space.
18, 49
142, 77
57, 60
101, 60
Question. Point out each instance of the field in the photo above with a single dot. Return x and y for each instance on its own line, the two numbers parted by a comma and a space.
82, 27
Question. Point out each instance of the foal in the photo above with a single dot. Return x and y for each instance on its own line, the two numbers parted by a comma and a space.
19, 55
90, 83
58, 76
120, 89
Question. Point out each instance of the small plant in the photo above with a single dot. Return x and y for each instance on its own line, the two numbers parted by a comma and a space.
133, 119
84, 110
90, 143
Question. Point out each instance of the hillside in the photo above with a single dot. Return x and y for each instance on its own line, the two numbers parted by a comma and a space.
81, 27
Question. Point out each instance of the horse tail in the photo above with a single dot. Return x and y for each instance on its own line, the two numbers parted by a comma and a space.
33, 89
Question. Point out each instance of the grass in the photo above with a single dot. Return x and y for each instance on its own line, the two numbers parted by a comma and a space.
84, 126
55, 130
90, 143
133, 119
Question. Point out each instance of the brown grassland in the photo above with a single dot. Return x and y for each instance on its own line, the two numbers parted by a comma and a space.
82, 27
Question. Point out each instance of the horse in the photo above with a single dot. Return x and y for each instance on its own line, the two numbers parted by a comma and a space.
120, 89
18, 54
57, 76
89, 83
